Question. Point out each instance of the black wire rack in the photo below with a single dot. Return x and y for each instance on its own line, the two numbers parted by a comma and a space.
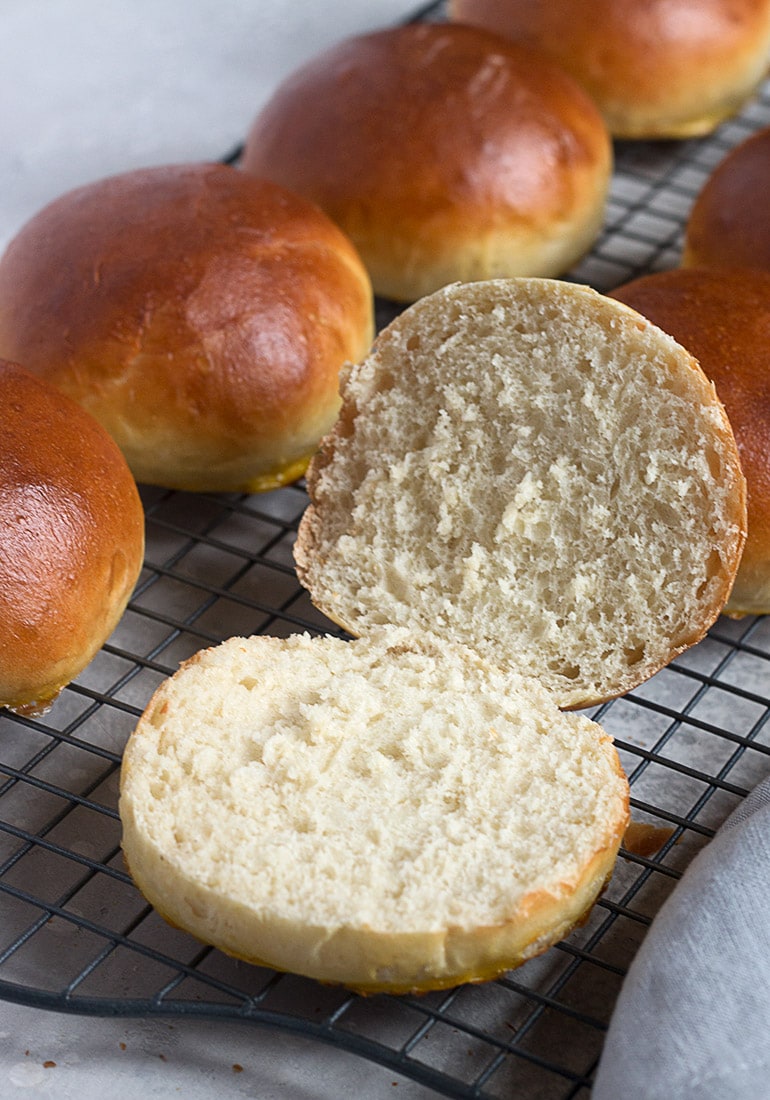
76, 936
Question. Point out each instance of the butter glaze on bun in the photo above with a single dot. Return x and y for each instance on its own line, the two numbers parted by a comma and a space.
729, 224
723, 319
201, 315
71, 539
446, 153
656, 68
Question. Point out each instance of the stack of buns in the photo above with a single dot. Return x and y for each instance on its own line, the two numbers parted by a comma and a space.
444, 152
199, 314
529, 468
71, 539
657, 69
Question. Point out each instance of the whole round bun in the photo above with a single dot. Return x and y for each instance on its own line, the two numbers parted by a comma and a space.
729, 224
723, 318
201, 315
656, 69
447, 154
71, 539
390, 813
534, 470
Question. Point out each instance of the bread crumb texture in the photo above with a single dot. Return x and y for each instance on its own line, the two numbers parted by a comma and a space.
527, 468
344, 809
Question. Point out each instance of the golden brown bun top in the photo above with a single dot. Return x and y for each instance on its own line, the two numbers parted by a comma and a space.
200, 314
434, 131
723, 319
656, 67
729, 225
71, 537
430, 94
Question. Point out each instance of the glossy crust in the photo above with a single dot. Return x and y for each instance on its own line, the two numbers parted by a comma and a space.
446, 153
723, 319
71, 539
342, 534
199, 314
662, 68
729, 224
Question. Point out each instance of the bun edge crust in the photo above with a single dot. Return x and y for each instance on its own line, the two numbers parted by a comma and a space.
354, 954
364, 960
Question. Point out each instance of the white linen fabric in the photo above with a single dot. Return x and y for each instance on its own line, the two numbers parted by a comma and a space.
693, 1013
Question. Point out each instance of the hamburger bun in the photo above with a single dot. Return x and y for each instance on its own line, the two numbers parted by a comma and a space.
657, 69
392, 814
71, 539
729, 224
534, 470
723, 319
444, 152
199, 314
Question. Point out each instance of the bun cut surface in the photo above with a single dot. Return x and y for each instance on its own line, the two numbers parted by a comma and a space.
534, 470
199, 314
723, 318
446, 153
71, 539
392, 813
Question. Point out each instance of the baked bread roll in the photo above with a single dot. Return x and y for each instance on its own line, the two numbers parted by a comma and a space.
199, 314
534, 470
723, 318
71, 539
729, 224
391, 813
657, 69
444, 152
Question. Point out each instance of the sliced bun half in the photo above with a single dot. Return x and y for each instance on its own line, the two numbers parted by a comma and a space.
537, 471
391, 813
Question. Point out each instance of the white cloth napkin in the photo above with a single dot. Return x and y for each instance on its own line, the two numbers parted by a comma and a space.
693, 1016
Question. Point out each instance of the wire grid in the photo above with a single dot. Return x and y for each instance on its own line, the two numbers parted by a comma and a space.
76, 936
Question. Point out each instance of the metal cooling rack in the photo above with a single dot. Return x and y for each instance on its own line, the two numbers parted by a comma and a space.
76, 936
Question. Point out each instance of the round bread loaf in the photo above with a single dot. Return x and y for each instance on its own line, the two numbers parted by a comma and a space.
444, 152
656, 69
71, 539
199, 314
534, 470
723, 318
391, 813
729, 224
